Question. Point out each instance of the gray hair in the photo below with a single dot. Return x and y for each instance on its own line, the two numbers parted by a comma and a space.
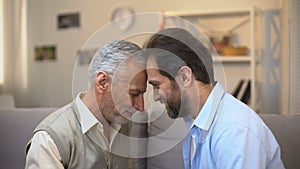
109, 57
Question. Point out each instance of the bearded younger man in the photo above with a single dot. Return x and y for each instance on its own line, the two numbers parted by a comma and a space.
223, 132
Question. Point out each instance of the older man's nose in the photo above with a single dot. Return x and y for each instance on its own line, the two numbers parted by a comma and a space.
138, 103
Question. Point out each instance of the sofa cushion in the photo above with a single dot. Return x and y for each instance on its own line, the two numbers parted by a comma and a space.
16, 127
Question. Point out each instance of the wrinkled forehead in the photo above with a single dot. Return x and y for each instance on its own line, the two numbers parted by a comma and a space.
129, 71
131, 67
139, 77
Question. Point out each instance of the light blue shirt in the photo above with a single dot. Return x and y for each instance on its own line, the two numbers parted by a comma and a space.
229, 135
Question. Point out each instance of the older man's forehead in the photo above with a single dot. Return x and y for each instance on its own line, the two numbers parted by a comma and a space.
130, 75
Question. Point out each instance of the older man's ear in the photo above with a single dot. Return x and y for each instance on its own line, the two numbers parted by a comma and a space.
102, 81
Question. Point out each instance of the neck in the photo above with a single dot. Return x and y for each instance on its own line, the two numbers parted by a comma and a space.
200, 98
90, 100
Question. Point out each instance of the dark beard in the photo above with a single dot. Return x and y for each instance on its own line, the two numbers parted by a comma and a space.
173, 112
174, 102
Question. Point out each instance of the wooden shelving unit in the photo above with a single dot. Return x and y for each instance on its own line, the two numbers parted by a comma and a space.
246, 26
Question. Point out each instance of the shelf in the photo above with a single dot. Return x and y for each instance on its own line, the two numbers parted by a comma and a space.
229, 59
245, 24
208, 12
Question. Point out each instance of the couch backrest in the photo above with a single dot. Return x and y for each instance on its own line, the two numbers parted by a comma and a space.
286, 129
16, 127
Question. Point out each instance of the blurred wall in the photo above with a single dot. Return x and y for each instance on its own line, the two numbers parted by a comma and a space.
50, 83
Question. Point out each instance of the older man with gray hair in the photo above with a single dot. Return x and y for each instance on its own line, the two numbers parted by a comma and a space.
81, 134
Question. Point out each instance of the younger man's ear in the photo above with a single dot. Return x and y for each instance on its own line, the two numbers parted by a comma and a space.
185, 76
101, 81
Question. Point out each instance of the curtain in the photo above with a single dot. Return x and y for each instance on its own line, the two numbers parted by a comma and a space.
15, 47
290, 56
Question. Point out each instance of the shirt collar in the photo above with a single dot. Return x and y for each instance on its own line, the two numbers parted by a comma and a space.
87, 118
189, 121
209, 110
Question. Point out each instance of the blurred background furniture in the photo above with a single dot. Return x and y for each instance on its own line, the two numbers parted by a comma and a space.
286, 129
16, 127
7, 100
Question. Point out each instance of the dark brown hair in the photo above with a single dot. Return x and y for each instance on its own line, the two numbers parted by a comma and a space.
176, 47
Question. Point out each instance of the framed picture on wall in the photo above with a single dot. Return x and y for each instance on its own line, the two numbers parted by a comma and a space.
45, 53
68, 20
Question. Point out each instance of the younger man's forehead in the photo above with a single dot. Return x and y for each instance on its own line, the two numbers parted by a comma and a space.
151, 63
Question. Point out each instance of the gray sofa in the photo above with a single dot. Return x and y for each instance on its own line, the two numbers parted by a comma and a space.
286, 129
17, 124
